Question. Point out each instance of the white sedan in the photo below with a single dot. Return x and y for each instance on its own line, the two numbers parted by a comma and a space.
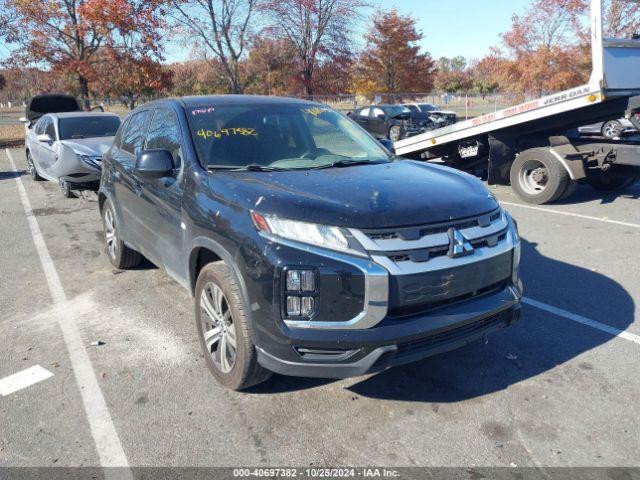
67, 148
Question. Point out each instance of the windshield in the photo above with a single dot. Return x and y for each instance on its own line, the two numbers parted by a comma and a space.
88, 127
427, 107
294, 136
393, 111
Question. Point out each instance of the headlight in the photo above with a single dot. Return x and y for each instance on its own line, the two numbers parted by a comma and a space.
91, 161
323, 236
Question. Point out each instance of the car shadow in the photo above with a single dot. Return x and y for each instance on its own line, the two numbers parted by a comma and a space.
586, 194
11, 175
538, 343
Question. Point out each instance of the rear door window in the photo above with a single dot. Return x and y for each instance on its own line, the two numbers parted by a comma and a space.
164, 134
134, 133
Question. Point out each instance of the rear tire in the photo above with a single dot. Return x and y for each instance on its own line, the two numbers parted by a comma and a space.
119, 254
395, 133
538, 177
35, 176
223, 329
572, 185
612, 129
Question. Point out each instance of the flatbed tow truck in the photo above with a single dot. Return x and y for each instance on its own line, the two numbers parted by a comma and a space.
535, 146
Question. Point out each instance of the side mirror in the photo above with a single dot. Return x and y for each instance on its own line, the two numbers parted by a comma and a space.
44, 138
154, 163
388, 144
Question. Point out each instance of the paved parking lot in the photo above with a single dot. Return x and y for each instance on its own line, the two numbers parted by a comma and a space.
559, 389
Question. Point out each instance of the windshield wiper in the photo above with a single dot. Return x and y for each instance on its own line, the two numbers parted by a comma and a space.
254, 167
349, 163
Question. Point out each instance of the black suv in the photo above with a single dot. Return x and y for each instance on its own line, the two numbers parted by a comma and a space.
309, 248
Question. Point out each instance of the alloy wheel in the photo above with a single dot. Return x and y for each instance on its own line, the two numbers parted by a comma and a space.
612, 129
110, 233
218, 327
32, 168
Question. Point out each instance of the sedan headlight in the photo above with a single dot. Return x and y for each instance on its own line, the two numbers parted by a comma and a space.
91, 161
323, 236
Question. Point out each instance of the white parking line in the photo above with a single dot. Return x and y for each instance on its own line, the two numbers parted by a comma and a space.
583, 320
103, 431
569, 214
23, 379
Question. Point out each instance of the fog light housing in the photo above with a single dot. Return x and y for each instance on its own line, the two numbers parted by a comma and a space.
300, 293
307, 306
301, 281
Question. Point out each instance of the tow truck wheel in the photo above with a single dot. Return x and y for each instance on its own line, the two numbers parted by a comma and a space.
607, 183
538, 177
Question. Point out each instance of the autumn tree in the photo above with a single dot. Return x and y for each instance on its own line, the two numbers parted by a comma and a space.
392, 61
315, 29
271, 66
223, 30
66, 35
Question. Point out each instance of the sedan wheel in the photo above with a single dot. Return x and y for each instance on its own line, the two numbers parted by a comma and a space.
219, 328
612, 129
32, 169
395, 133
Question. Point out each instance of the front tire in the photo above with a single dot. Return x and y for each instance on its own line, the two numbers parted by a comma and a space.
65, 187
33, 173
538, 177
119, 254
223, 329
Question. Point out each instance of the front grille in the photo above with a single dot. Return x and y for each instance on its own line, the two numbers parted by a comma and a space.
415, 233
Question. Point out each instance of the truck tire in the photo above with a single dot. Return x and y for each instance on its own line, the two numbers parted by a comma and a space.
119, 254
538, 177
606, 183
572, 185
223, 329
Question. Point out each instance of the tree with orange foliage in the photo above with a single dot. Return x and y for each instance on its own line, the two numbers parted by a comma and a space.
392, 62
67, 35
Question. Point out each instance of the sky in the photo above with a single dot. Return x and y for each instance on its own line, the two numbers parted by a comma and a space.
454, 27
459, 27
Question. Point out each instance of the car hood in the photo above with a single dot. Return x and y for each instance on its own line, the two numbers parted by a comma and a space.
92, 147
402, 193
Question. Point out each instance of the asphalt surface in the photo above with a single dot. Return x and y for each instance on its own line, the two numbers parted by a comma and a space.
550, 391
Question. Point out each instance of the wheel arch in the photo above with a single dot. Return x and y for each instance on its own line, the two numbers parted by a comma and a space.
205, 250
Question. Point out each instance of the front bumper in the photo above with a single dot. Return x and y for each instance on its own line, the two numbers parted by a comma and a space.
396, 343
388, 308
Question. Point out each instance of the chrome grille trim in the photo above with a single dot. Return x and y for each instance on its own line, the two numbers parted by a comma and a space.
388, 241
443, 262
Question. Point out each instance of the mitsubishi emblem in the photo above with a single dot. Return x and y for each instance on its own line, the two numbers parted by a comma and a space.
459, 246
